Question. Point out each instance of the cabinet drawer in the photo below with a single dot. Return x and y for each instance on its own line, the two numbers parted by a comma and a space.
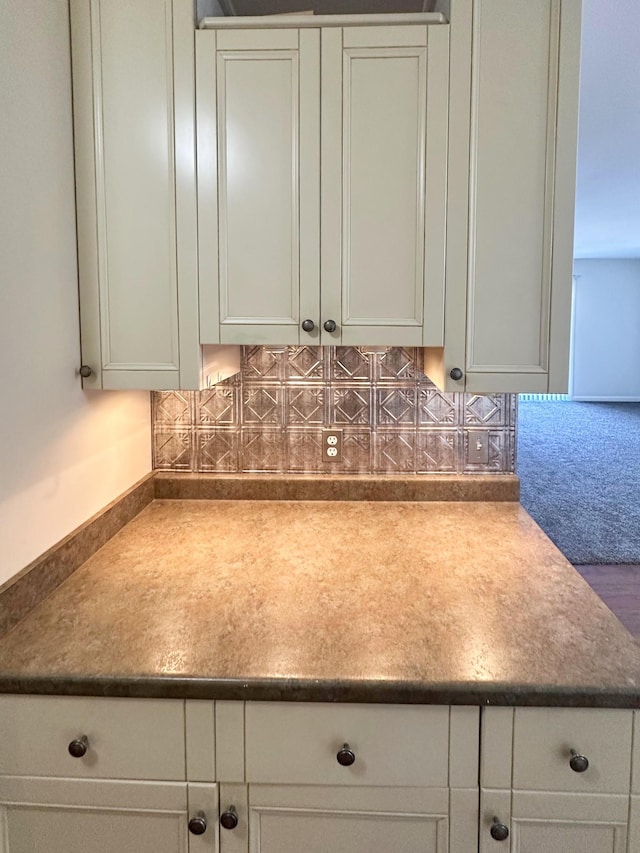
393, 745
125, 738
543, 741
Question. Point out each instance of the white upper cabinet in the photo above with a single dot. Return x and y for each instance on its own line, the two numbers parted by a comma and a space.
133, 81
379, 180
514, 95
322, 184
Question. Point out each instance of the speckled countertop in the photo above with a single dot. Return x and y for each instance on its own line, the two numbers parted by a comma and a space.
329, 601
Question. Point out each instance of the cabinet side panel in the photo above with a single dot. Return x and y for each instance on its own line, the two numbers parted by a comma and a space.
512, 162
132, 51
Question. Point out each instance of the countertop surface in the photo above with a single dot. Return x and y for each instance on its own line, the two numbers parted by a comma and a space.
331, 601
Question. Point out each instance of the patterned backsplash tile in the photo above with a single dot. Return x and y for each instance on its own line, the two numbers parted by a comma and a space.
269, 417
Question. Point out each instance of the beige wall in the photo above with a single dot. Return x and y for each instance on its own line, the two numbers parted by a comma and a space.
63, 453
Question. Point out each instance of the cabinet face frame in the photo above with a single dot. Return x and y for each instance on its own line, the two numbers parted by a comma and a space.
129, 339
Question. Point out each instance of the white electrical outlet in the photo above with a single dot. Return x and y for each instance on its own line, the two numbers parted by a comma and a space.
332, 445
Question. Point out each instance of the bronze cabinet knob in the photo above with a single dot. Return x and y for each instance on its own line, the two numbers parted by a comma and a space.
578, 763
499, 832
198, 824
78, 747
85, 371
456, 374
330, 326
229, 819
346, 756
308, 325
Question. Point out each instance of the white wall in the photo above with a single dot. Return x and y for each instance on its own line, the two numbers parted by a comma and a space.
64, 453
606, 330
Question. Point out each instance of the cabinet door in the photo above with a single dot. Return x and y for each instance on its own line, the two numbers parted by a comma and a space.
547, 823
511, 196
134, 127
319, 819
384, 135
258, 114
85, 816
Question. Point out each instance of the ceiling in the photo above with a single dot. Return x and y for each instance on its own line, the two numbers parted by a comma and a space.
608, 191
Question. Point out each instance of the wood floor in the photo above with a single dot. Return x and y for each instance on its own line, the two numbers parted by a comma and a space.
619, 588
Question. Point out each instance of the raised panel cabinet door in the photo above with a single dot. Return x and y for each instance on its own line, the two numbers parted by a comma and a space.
384, 134
258, 111
549, 822
134, 126
524, 96
324, 819
85, 816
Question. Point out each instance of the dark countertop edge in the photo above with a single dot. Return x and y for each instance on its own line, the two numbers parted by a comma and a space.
295, 690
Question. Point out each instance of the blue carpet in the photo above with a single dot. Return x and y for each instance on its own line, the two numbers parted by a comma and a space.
579, 467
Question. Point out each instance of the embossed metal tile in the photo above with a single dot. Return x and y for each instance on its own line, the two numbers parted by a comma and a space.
217, 406
172, 449
489, 410
172, 408
395, 407
305, 405
269, 417
305, 364
262, 450
348, 363
217, 450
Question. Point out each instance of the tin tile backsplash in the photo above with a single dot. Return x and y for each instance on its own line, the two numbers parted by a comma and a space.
269, 418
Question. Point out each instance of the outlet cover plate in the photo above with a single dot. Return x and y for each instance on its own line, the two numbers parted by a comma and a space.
332, 445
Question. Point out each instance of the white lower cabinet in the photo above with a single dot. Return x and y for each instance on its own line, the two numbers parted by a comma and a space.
556, 779
97, 775
39, 815
331, 778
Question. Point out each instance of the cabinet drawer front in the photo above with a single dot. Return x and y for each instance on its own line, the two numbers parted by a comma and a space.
125, 738
393, 745
543, 741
